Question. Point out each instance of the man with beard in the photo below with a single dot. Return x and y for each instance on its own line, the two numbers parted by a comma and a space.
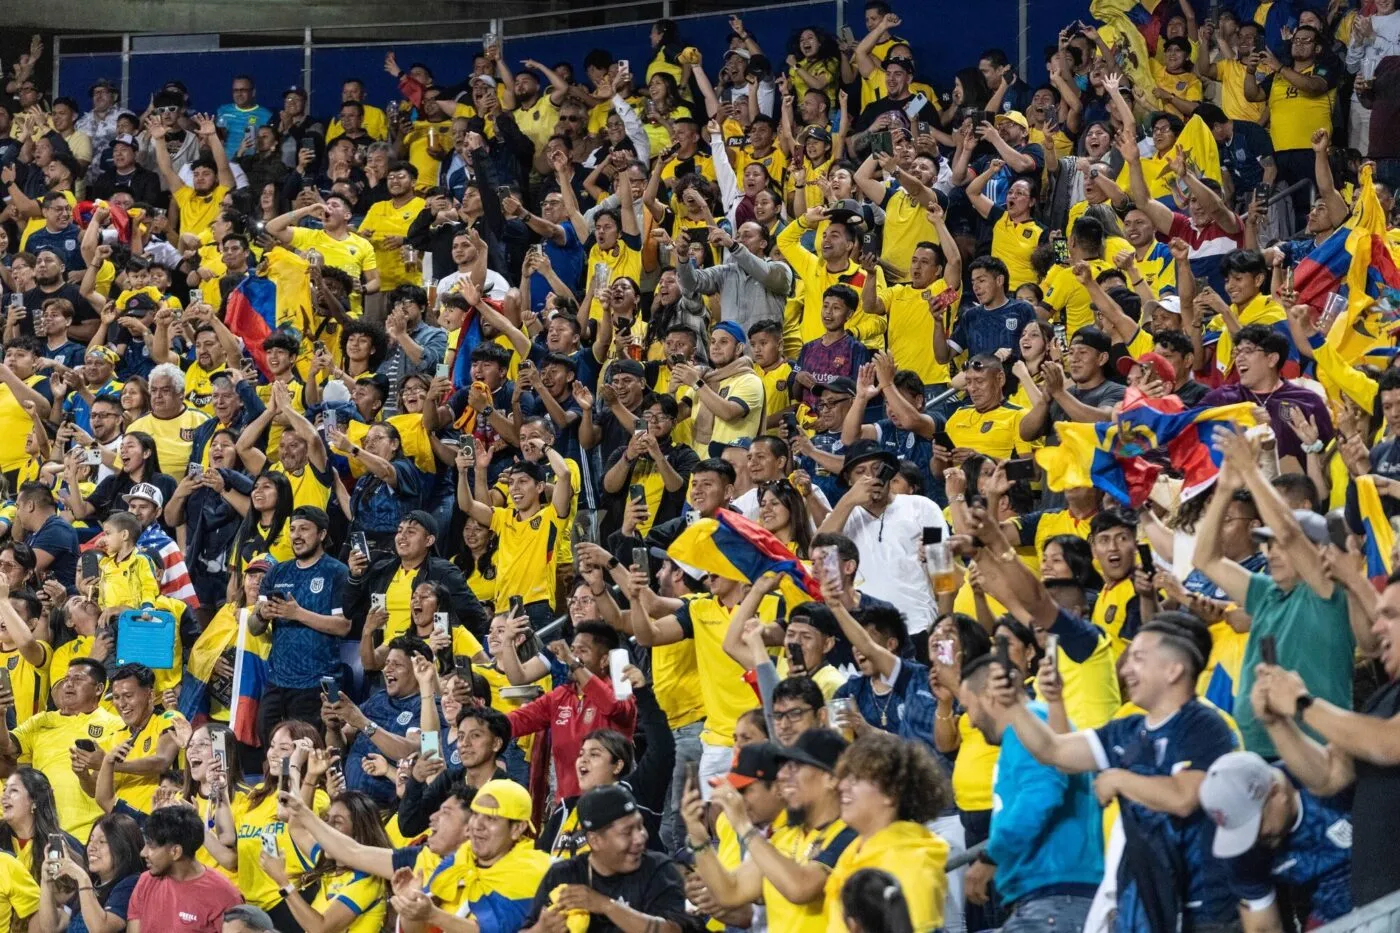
730, 396
303, 608
536, 113
340, 247
301, 453
198, 204
618, 881
149, 747
126, 175
99, 425
789, 862
386, 224
174, 886
50, 282
59, 233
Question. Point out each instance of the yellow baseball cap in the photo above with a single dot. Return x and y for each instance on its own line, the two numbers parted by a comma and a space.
512, 800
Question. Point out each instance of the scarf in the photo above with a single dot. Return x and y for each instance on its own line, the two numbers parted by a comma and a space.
703, 416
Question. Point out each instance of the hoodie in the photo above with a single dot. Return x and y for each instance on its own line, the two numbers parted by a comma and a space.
910, 852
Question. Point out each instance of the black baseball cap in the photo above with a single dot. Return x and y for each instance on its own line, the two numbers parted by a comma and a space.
820, 748
1093, 338
629, 366
842, 385
423, 520
757, 762
603, 806
864, 450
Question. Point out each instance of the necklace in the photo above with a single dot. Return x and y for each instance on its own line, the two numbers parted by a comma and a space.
884, 708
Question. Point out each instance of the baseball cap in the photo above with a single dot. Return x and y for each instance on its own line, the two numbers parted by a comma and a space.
1163, 370
603, 806
260, 565
820, 748
294, 89
1016, 117
815, 132
847, 211
126, 139
745, 54
1233, 794
757, 762
378, 380
900, 61
1314, 527
1169, 303
629, 367
423, 520
733, 329
864, 450
487, 79
841, 385
1093, 338
512, 800
148, 491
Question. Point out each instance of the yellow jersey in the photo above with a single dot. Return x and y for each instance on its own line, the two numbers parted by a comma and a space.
174, 437
418, 137
382, 220
140, 789
622, 261
198, 211
1117, 613
1294, 115
1230, 72
996, 433
28, 682
1065, 295
822, 846
777, 388
250, 822
309, 488
352, 254
726, 693
911, 329
15, 424
906, 226
1013, 244
974, 769
199, 387
44, 742
528, 551
19, 892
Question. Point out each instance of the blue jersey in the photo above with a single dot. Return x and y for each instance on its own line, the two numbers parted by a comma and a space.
300, 655
910, 447
828, 442
1315, 860
1191, 739
392, 714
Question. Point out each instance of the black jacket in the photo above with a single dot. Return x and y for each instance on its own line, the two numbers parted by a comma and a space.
434, 570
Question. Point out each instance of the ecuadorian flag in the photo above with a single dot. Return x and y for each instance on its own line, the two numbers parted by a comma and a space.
1380, 536
735, 548
1108, 454
249, 682
500, 895
251, 314
1356, 261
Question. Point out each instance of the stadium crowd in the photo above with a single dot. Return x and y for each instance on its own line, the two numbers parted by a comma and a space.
746, 491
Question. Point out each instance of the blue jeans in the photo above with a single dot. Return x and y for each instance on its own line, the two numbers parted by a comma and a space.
1048, 914
687, 751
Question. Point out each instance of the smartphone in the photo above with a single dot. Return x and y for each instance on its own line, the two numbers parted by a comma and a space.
1020, 469
846, 34
790, 422
641, 559
194, 297
443, 371
54, 850
624, 65
90, 564
503, 192
5, 680
193, 469
92, 456
517, 605
795, 659
87, 745
462, 667
284, 780
219, 738
881, 142
319, 346
269, 843
1337, 529
330, 686
1002, 653
359, 542
943, 652
1268, 650
639, 425
932, 534
637, 493
377, 602
429, 745
444, 655
942, 439
1060, 247
886, 473
1145, 558
915, 105
1052, 651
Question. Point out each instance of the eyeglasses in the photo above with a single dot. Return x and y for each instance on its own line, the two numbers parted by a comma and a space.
825, 405
793, 715
581, 600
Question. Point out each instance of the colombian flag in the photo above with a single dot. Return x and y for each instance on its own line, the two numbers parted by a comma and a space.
1380, 537
249, 682
735, 548
1108, 454
251, 314
1355, 261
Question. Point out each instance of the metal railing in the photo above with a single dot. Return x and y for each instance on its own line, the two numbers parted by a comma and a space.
1382, 916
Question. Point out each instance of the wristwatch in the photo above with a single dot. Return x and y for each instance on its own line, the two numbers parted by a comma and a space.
371, 727
487, 412
1304, 702
1314, 448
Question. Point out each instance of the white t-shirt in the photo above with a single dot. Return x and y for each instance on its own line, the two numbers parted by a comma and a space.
889, 556
496, 285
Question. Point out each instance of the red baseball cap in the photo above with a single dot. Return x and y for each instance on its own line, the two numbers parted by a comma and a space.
1163, 370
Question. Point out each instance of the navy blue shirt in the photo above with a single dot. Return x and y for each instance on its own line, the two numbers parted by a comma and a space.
1315, 858
1191, 739
828, 442
64, 243
58, 538
1240, 156
985, 330
300, 655
909, 446
396, 715
379, 507
117, 902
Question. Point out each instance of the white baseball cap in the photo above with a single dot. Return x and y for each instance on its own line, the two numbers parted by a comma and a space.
148, 491
1233, 795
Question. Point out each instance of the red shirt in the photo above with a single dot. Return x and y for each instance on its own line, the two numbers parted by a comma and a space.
163, 905
569, 717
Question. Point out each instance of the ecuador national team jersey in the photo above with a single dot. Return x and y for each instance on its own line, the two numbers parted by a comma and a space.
820, 846
1190, 739
727, 694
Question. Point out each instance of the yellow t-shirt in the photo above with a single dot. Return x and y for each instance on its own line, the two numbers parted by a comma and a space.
382, 220
250, 821
906, 226
996, 433
911, 329
353, 255
777, 387
727, 695
1050, 525
308, 488
528, 552
29, 682
199, 389
198, 211
803, 846
44, 741
775, 162
1013, 244
815, 278
1070, 299
174, 437
538, 123
1293, 115
748, 388
417, 137
296, 388
974, 769
622, 261
362, 893
397, 600
140, 789
1230, 73
15, 424
1111, 611
1186, 86
676, 676
19, 892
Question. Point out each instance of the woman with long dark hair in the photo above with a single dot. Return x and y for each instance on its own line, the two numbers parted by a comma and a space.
814, 63
104, 886
390, 487
783, 511
264, 529
428, 599
355, 815
28, 817
478, 560
136, 399
204, 521
137, 462
873, 902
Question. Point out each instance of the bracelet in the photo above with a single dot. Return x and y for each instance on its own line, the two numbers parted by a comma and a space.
748, 834
697, 847
613, 562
